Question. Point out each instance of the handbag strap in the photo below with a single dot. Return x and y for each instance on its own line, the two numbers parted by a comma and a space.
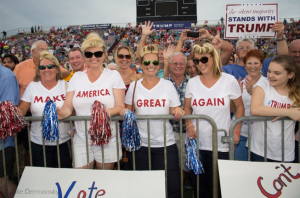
132, 106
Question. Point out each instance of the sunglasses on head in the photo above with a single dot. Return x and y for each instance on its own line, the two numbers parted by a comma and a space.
97, 54
43, 67
127, 56
204, 59
147, 62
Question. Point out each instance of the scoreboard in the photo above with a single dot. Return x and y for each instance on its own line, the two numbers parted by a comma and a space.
166, 10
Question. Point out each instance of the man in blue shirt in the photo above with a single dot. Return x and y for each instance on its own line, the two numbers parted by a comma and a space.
9, 90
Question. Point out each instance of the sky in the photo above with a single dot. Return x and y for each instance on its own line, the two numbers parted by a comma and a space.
23, 14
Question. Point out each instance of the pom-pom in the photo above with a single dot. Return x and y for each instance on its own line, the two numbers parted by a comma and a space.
50, 126
131, 139
11, 121
191, 160
100, 130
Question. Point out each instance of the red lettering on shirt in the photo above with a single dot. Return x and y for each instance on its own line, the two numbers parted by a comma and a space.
41, 99
55, 98
92, 93
139, 103
157, 104
151, 103
209, 102
279, 105
48, 98
38, 99
146, 103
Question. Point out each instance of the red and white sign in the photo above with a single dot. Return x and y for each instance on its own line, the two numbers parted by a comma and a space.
250, 20
39, 182
259, 179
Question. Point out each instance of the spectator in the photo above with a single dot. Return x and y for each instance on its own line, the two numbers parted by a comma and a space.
9, 90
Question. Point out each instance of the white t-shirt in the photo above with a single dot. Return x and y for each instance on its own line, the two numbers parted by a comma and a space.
215, 103
156, 101
86, 93
247, 101
273, 99
37, 95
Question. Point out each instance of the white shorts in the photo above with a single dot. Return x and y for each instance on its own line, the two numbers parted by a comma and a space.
177, 138
95, 152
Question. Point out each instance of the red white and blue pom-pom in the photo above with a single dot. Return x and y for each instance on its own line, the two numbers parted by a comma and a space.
131, 139
11, 121
191, 160
50, 126
100, 130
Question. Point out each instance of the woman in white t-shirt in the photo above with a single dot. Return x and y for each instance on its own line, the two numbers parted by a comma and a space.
154, 96
47, 84
277, 96
101, 84
253, 64
210, 93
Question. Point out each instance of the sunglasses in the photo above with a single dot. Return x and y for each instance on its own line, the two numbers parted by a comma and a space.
147, 62
43, 67
127, 56
202, 60
97, 54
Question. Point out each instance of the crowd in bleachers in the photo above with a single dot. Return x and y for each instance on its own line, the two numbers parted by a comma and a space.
60, 41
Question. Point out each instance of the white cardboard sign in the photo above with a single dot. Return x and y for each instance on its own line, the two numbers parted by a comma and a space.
259, 179
39, 182
250, 20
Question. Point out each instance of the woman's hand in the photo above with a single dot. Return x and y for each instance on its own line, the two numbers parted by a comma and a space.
190, 131
295, 114
122, 112
249, 84
204, 34
217, 42
183, 35
146, 29
169, 51
178, 112
236, 137
60, 113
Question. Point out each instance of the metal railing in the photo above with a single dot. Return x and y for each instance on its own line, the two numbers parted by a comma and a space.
225, 139
229, 139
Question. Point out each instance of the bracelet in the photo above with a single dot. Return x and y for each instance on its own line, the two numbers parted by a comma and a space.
189, 126
236, 131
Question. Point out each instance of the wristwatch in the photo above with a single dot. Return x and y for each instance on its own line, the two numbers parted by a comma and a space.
282, 39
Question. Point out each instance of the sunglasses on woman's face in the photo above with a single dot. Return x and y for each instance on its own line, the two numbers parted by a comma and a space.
203, 60
43, 67
97, 54
127, 56
147, 62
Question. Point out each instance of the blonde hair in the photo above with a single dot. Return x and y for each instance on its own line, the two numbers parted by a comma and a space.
128, 49
208, 48
94, 40
47, 55
149, 49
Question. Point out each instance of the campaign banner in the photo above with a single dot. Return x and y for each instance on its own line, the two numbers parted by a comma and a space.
37, 182
259, 179
251, 20
96, 26
172, 25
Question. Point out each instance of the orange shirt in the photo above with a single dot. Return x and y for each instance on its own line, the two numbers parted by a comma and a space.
25, 72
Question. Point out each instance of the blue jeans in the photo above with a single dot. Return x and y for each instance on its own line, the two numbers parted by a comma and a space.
241, 151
